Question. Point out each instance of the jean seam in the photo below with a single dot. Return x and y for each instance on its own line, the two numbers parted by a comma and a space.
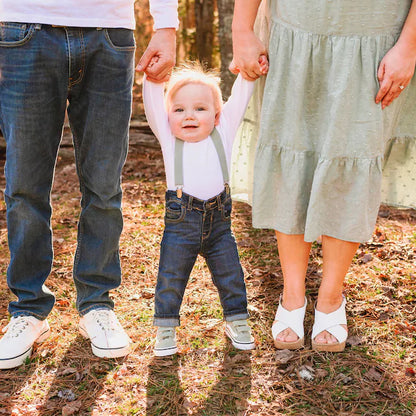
21, 42
68, 54
82, 188
178, 220
95, 307
117, 48
81, 77
29, 313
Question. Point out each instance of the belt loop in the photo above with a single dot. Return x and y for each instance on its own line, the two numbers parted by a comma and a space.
38, 26
190, 199
219, 203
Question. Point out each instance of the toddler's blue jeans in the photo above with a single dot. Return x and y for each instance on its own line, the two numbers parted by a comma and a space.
43, 67
192, 227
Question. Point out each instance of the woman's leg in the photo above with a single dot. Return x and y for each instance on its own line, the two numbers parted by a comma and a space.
337, 257
294, 257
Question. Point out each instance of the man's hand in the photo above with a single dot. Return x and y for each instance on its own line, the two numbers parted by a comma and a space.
159, 57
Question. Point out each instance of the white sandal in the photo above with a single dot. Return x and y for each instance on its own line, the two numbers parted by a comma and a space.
331, 322
289, 319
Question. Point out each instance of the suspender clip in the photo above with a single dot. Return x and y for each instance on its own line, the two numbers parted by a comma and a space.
227, 188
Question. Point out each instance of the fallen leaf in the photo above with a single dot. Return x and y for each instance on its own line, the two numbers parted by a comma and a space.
354, 340
321, 373
373, 374
366, 258
71, 408
66, 371
306, 374
343, 378
67, 395
283, 356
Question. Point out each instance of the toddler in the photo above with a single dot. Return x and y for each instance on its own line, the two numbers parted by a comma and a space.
196, 133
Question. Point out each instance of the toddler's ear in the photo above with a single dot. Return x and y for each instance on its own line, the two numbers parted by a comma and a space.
217, 118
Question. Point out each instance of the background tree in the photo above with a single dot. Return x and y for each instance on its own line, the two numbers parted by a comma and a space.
225, 17
204, 34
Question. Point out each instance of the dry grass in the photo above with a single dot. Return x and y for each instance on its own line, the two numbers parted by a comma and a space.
374, 376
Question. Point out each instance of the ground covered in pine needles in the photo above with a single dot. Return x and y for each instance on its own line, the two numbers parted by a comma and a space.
374, 376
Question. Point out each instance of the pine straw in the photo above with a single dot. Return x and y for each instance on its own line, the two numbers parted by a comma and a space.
374, 376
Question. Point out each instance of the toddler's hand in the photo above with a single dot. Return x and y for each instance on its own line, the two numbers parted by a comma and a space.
264, 64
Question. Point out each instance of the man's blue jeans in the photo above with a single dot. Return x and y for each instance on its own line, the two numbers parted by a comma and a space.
193, 227
41, 69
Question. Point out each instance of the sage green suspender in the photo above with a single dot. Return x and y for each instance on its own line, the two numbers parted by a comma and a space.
216, 139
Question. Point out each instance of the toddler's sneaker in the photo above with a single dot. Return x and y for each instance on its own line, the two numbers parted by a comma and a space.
240, 334
107, 336
20, 335
165, 341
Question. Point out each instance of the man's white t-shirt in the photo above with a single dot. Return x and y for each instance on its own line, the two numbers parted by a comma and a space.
87, 13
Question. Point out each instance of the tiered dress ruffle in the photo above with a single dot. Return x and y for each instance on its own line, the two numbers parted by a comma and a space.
326, 154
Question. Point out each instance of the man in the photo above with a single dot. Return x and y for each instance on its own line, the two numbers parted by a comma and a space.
80, 52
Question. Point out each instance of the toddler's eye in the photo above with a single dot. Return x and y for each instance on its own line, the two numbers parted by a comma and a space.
200, 109
178, 110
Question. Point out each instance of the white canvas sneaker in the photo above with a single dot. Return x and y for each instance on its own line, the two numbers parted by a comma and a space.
107, 336
20, 335
165, 341
240, 334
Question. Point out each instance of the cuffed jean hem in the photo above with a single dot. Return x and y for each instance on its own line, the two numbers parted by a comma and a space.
236, 317
27, 313
92, 308
166, 322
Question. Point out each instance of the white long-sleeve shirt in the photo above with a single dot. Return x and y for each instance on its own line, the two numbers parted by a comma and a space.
202, 172
87, 13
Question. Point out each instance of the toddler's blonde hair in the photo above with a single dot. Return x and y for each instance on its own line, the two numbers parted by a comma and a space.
194, 73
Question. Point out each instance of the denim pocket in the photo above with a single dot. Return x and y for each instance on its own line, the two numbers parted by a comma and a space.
15, 34
174, 212
120, 39
226, 210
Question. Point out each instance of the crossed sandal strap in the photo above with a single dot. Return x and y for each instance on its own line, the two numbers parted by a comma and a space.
289, 319
331, 322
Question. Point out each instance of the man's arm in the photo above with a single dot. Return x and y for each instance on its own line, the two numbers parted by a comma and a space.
159, 57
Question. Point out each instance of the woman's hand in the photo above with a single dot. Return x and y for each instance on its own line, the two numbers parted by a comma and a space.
394, 73
250, 55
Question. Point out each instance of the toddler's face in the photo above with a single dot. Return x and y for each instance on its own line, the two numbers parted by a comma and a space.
192, 114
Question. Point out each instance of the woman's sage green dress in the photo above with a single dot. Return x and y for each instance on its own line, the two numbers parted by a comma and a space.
322, 155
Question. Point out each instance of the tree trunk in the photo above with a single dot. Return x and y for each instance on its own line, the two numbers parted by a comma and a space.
225, 14
204, 22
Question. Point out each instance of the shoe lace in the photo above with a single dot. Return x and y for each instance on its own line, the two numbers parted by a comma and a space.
106, 321
16, 326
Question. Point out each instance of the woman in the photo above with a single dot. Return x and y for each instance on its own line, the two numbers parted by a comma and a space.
339, 97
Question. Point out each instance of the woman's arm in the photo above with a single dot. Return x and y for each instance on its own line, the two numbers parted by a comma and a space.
247, 48
398, 66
